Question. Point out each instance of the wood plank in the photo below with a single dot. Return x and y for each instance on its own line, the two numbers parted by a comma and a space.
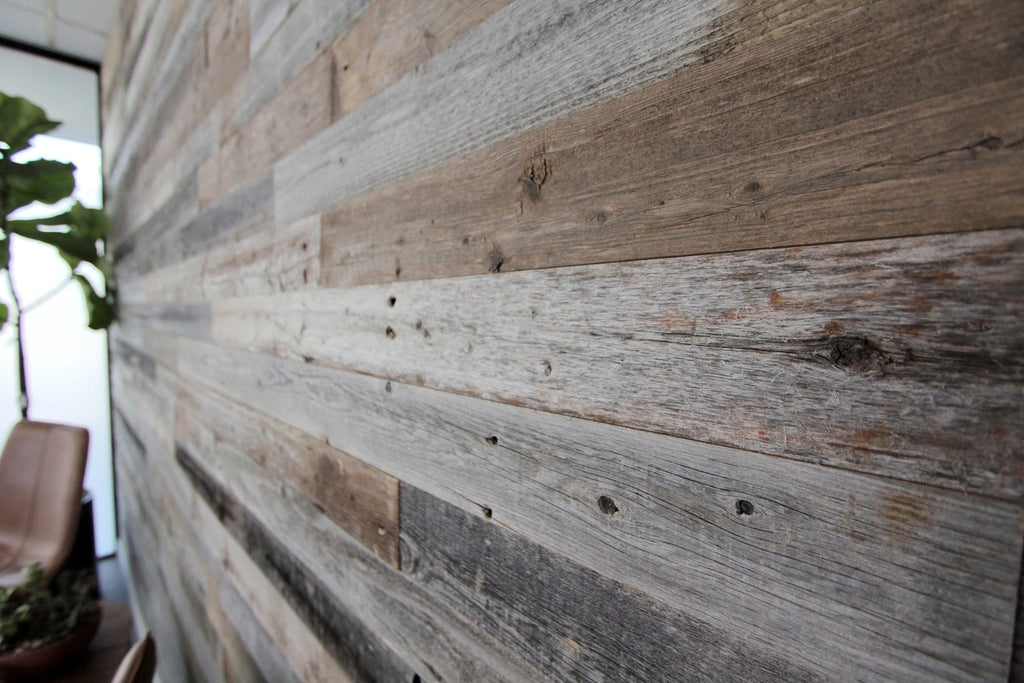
392, 38
264, 18
267, 261
298, 644
897, 357
576, 624
422, 631
245, 210
844, 130
300, 110
902, 579
307, 30
356, 644
385, 42
133, 245
188, 319
357, 497
419, 124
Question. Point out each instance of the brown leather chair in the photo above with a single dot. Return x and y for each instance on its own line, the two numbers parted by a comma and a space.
41, 473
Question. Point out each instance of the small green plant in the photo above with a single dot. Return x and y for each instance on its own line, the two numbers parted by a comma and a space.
32, 615
77, 233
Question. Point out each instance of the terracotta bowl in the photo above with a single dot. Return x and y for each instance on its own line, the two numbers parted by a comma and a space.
32, 663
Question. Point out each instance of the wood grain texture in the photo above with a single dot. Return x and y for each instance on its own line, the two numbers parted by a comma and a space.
323, 574
261, 262
575, 623
308, 29
359, 498
300, 110
298, 644
891, 576
393, 37
493, 69
245, 210
896, 357
845, 130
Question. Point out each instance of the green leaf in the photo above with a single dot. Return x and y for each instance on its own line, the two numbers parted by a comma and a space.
73, 244
92, 223
39, 180
19, 121
100, 309
5, 252
4, 312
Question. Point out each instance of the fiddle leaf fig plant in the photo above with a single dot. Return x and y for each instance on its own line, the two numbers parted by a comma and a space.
77, 233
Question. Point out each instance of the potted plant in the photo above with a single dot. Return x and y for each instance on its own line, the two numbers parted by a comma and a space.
77, 232
40, 626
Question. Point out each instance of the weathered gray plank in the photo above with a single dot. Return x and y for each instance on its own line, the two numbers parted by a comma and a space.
898, 357
576, 624
266, 261
322, 574
898, 578
494, 70
844, 130
245, 210
191, 319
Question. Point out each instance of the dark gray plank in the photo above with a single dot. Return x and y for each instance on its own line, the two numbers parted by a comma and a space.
574, 623
354, 646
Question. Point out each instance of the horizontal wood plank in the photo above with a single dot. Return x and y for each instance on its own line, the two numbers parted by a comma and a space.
419, 124
575, 623
897, 357
833, 561
359, 498
323, 575
263, 262
845, 130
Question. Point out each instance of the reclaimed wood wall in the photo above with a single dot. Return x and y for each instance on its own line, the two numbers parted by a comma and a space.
570, 339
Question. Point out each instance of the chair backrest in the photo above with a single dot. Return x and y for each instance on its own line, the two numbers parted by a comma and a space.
41, 472
139, 663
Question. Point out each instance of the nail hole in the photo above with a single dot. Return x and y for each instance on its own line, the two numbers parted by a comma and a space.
389, 333
493, 440
387, 387
415, 677
607, 505
391, 301
753, 186
488, 512
744, 507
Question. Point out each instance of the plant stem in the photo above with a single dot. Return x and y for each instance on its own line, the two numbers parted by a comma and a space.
22, 386
22, 383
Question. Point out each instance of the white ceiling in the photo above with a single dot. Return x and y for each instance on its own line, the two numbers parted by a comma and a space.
77, 28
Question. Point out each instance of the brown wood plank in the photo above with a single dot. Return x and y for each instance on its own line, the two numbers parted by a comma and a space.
895, 576
895, 357
468, 98
393, 37
358, 497
300, 110
386, 41
845, 129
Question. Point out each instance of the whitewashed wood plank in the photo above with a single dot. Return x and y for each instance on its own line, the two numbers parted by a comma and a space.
844, 572
897, 357
509, 77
